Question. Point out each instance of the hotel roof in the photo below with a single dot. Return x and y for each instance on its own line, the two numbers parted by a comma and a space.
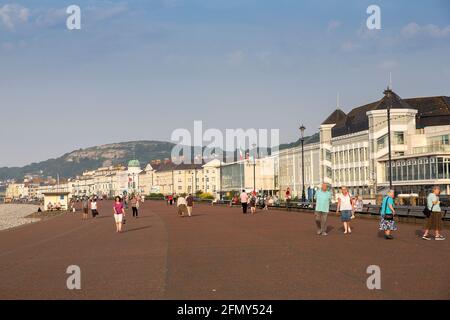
432, 111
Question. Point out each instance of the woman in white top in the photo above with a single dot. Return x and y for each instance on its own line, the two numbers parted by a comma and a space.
346, 207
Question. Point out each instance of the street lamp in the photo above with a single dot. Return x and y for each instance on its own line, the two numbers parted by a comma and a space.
220, 157
302, 139
254, 169
388, 92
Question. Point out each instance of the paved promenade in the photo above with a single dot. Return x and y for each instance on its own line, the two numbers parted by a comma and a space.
218, 254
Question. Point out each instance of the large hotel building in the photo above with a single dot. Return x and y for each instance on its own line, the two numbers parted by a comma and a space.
351, 149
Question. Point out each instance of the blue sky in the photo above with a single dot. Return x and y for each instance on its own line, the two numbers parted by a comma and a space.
140, 69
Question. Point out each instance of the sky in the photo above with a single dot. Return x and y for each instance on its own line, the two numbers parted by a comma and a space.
138, 70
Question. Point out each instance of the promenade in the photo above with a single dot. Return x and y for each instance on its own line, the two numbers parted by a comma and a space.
219, 253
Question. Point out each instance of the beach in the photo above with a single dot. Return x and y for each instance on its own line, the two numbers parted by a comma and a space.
13, 215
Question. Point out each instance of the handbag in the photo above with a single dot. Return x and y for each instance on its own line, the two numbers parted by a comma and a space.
386, 216
427, 212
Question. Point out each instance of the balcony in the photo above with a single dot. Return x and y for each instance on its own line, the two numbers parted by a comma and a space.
435, 148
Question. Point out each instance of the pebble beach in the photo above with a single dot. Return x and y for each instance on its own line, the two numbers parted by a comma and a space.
13, 215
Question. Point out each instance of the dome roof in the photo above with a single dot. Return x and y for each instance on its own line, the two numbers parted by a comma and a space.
134, 164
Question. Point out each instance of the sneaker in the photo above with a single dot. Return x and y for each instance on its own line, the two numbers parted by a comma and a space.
319, 233
439, 238
324, 233
426, 238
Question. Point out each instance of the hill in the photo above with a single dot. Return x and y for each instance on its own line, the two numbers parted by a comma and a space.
77, 161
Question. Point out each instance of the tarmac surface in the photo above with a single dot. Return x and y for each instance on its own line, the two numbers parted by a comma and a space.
219, 253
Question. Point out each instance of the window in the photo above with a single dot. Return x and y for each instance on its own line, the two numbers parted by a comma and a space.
440, 140
329, 172
382, 142
399, 138
328, 155
440, 166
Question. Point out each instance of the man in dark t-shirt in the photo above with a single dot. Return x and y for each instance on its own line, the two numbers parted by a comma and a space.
190, 204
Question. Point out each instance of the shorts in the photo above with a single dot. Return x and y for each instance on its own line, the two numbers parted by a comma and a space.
85, 210
346, 215
118, 217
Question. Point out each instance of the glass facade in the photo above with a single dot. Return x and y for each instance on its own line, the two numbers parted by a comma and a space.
430, 168
233, 177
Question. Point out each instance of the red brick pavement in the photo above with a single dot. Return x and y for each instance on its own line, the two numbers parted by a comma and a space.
219, 253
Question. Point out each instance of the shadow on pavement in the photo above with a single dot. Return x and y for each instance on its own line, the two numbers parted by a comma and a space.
136, 229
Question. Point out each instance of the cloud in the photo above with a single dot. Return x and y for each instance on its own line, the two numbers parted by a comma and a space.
106, 12
236, 58
12, 15
333, 25
349, 46
413, 29
388, 65
264, 57
50, 17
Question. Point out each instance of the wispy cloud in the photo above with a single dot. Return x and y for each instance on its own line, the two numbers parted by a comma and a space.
105, 12
12, 15
349, 46
387, 65
333, 25
236, 58
413, 29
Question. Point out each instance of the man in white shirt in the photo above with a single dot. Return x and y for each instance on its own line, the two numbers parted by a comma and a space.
244, 201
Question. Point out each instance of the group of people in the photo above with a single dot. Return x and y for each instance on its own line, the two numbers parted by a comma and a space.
57, 206
251, 200
347, 205
120, 206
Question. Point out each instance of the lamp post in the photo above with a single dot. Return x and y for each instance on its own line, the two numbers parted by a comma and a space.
302, 139
220, 158
389, 106
254, 169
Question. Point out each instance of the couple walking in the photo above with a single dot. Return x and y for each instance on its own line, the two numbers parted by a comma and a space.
345, 206
246, 200
185, 205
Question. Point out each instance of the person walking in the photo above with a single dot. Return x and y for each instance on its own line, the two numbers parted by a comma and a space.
253, 204
266, 202
94, 210
387, 212
288, 199
323, 199
244, 200
359, 204
119, 213
135, 206
85, 205
345, 206
181, 205
190, 204
434, 220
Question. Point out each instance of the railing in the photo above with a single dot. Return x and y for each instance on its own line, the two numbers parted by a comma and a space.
415, 212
